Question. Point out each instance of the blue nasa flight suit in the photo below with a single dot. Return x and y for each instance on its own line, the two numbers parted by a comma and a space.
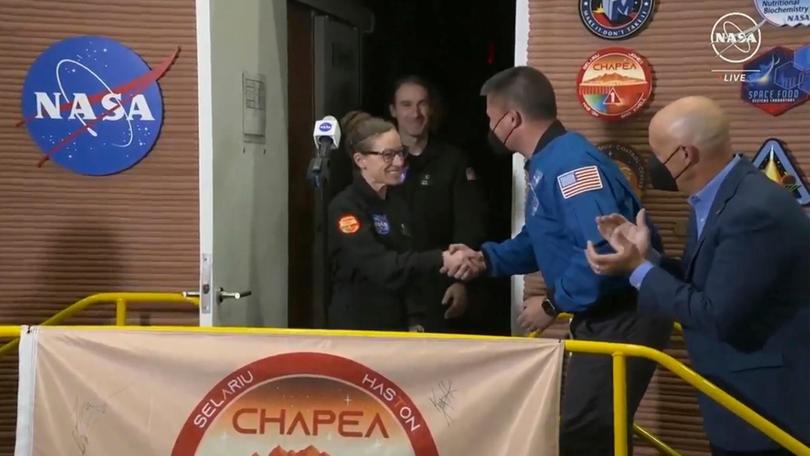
571, 183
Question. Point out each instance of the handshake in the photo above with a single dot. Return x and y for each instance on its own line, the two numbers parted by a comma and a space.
462, 263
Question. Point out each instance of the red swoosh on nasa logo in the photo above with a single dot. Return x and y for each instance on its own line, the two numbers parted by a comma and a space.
153, 75
135, 86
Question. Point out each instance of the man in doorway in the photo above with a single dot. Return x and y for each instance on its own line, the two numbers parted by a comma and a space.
570, 183
443, 197
742, 291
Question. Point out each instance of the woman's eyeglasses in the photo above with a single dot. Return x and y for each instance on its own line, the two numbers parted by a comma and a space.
389, 154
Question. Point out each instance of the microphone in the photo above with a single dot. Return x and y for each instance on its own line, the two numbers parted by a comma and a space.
326, 135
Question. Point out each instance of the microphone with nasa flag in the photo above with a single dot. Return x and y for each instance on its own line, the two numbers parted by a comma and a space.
326, 135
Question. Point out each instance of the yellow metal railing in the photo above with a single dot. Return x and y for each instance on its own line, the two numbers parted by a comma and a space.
640, 431
619, 352
653, 440
120, 299
564, 315
8, 332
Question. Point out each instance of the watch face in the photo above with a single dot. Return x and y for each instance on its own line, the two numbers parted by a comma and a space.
549, 308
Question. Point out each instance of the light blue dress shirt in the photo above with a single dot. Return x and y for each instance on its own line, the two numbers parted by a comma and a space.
701, 203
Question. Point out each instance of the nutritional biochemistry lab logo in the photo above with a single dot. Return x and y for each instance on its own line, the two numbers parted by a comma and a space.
93, 105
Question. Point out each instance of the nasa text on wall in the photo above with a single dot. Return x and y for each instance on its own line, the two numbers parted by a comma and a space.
93, 105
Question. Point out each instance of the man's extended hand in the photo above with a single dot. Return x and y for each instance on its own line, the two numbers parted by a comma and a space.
453, 263
462, 262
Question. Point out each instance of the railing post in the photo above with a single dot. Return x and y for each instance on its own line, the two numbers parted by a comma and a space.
120, 312
619, 404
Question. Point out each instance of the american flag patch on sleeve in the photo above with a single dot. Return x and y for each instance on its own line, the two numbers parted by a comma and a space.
580, 180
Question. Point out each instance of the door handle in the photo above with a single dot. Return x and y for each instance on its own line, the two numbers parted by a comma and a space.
223, 295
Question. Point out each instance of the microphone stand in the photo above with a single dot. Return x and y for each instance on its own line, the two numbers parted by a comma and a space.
318, 175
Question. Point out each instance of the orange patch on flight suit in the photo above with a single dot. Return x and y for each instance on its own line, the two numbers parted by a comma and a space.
348, 224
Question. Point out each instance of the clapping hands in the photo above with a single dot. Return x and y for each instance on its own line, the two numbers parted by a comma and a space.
630, 241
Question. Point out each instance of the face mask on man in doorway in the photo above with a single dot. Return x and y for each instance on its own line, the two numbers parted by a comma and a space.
497, 144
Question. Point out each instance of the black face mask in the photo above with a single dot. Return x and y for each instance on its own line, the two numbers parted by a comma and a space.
498, 146
660, 177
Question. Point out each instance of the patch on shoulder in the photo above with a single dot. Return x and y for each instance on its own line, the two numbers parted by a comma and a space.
579, 181
348, 224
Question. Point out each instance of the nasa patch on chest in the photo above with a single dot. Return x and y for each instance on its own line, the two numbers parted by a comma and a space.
381, 225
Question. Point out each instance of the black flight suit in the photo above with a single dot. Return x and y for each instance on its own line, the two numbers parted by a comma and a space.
446, 207
375, 271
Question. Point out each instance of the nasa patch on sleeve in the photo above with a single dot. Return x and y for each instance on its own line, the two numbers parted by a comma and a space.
92, 105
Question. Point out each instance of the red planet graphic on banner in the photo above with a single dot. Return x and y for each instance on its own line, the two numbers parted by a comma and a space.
305, 404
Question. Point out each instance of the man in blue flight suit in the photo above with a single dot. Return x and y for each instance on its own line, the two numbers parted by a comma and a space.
570, 183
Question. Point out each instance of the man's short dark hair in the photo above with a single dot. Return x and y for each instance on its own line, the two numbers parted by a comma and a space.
525, 88
415, 80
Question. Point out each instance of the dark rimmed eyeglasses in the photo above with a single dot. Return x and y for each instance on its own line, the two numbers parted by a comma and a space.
388, 155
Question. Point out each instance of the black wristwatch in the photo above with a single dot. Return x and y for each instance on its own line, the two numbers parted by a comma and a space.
549, 308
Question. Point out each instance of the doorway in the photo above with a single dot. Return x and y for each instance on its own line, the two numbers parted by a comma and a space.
457, 45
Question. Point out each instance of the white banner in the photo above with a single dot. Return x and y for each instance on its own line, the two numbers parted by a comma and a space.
103, 391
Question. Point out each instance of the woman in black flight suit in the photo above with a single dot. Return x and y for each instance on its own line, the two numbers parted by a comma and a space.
375, 274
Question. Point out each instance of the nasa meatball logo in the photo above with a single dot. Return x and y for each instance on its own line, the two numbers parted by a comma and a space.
93, 105
305, 404
614, 83
615, 19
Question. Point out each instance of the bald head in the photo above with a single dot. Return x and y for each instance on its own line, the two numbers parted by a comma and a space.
693, 121
691, 137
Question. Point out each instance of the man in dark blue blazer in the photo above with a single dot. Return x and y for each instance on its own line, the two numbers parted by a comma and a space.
742, 289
